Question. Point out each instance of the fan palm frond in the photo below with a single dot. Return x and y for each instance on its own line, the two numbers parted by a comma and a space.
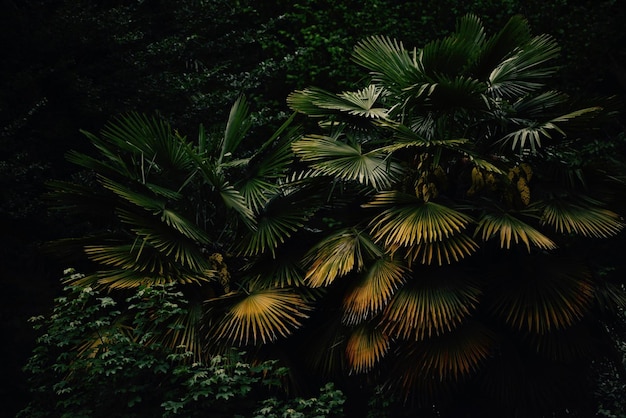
430, 306
150, 137
510, 229
371, 294
345, 161
543, 295
586, 220
318, 102
389, 62
427, 229
237, 126
428, 365
409, 138
515, 33
262, 316
524, 71
337, 255
365, 347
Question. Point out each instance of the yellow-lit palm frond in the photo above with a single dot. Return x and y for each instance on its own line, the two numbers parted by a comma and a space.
511, 230
428, 230
430, 306
371, 294
587, 220
345, 161
365, 348
262, 316
542, 295
133, 266
415, 222
338, 255
450, 250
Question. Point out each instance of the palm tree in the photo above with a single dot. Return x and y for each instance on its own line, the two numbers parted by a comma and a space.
454, 247
164, 209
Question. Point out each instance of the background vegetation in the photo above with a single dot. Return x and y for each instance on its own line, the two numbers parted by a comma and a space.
72, 65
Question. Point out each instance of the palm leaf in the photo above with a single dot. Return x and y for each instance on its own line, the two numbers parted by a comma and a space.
389, 62
511, 230
542, 295
588, 221
151, 138
455, 52
318, 102
365, 348
430, 306
427, 229
282, 215
511, 37
524, 71
337, 255
347, 162
262, 316
427, 365
237, 126
371, 294
168, 242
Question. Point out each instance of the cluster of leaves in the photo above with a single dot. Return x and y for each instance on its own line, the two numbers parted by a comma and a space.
125, 371
424, 235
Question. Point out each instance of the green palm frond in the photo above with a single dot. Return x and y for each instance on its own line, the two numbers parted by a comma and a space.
337, 255
236, 129
345, 161
536, 106
273, 231
515, 33
365, 348
408, 138
283, 214
389, 62
524, 71
282, 269
511, 230
261, 316
454, 53
542, 295
231, 197
144, 262
430, 306
318, 102
371, 294
427, 229
457, 91
150, 137
169, 242
586, 220
266, 167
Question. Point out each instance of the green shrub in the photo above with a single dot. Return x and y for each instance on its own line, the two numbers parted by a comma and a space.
97, 357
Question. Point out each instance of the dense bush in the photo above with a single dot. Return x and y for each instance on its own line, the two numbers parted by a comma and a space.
125, 372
